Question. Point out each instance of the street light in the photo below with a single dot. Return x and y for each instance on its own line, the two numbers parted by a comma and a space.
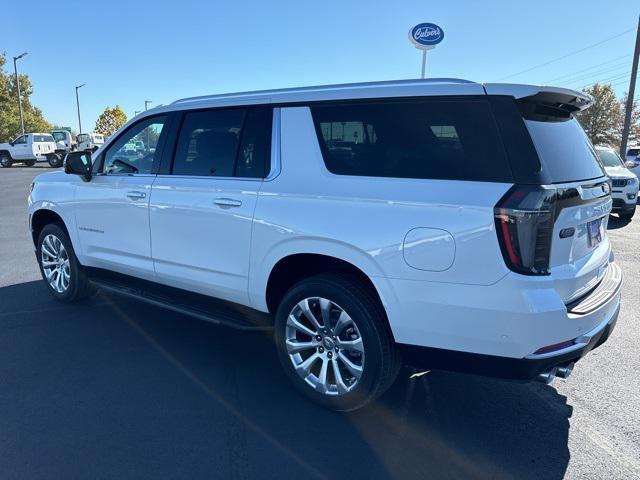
146, 102
15, 69
78, 105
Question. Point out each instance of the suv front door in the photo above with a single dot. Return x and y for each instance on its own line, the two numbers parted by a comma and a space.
202, 206
112, 210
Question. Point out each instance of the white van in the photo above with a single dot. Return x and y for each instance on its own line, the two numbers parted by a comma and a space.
443, 223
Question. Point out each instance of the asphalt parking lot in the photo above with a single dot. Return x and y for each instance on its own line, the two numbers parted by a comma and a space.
112, 388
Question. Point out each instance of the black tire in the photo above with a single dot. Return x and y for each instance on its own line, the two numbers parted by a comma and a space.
55, 160
381, 363
5, 161
30, 163
79, 286
628, 215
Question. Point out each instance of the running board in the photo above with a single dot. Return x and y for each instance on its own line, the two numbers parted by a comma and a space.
206, 308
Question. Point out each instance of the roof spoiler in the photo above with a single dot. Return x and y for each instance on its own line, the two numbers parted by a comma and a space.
562, 101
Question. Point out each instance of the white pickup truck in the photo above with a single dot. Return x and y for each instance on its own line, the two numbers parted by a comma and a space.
28, 148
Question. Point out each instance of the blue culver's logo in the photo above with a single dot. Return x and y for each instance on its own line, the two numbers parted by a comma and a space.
426, 34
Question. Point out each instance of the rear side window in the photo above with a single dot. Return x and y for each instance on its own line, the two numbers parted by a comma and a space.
565, 151
224, 143
429, 139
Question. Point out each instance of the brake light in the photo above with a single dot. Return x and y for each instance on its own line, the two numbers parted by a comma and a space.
524, 219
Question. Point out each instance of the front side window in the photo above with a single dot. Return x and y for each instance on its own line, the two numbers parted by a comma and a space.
427, 139
20, 140
136, 150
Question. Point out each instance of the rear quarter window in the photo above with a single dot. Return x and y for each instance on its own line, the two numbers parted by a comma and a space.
424, 138
42, 138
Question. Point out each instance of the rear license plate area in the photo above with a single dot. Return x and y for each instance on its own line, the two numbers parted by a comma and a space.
594, 230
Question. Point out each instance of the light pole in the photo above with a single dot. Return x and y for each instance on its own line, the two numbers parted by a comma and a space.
136, 112
78, 105
15, 69
146, 102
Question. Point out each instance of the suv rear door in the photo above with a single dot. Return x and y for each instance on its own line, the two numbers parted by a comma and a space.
203, 200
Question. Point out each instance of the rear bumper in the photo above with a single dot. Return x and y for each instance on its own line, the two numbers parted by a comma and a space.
522, 369
603, 303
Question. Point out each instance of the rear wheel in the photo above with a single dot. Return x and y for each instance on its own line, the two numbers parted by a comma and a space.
5, 161
334, 342
30, 163
59, 266
54, 160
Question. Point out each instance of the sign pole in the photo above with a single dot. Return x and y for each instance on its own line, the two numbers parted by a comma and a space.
425, 36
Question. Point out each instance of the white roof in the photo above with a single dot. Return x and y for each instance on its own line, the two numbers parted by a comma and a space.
387, 89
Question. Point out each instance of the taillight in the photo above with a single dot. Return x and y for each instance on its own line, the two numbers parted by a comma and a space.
524, 219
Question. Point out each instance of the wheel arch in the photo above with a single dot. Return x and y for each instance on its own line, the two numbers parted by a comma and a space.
6, 152
288, 269
43, 217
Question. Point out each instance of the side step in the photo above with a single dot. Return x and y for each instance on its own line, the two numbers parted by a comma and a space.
193, 305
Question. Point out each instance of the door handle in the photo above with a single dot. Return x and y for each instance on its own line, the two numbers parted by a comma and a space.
227, 202
136, 195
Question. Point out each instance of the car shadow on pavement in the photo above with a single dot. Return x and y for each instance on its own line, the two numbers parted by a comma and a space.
616, 222
115, 388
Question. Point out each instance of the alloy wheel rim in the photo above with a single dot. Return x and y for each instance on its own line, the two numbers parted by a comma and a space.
325, 346
55, 263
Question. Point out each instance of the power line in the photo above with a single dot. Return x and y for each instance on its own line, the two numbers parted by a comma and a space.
585, 69
567, 55
595, 73
609, 79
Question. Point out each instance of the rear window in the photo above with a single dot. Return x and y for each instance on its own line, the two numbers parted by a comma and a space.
428, 139
42, 138
565, 151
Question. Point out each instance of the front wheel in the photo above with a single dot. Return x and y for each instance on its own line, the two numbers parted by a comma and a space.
5, 161
54, 160
628, 215
334, 342
59, 266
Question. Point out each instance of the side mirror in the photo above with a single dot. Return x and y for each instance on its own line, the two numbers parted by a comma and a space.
630, 164
78, 163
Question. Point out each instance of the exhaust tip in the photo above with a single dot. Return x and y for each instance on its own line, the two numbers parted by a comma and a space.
565, 370
548, 377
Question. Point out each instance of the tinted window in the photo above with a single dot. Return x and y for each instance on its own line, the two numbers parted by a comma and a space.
20, 140
254, 153
136, 150
565, 151
208, 143
412, 139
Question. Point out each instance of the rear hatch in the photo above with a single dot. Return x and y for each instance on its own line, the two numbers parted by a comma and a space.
555, 221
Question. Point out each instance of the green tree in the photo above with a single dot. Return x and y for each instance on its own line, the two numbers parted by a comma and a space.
110, 120
602, 119
34, 121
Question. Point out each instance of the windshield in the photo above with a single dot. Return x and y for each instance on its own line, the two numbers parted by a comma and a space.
565, 151
83, 137
609, 158
58, 136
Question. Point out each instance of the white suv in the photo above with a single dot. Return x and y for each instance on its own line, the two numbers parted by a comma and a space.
445, 224
624, 183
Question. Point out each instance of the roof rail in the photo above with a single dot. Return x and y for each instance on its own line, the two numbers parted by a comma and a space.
322, 87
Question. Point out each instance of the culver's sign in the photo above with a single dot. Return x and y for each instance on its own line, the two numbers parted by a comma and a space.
426, 35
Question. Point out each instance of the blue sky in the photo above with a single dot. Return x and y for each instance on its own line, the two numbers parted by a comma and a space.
128, 52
